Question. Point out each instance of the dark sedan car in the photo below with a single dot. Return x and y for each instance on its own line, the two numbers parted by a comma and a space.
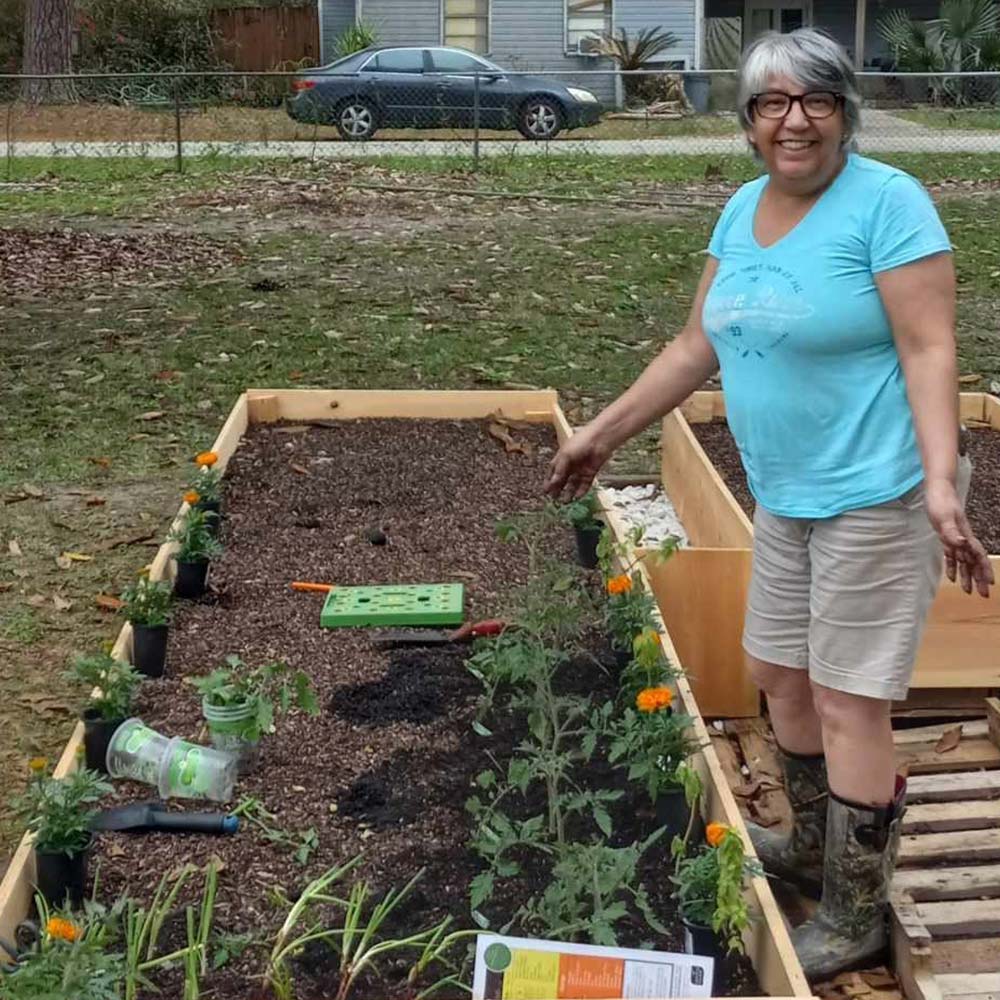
434, 88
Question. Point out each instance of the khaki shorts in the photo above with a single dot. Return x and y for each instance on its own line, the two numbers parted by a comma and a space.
846, 597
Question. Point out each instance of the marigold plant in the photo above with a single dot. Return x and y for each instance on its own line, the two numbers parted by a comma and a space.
192, 497
653, 699
619, 584
206, 459
714, 833
59, 927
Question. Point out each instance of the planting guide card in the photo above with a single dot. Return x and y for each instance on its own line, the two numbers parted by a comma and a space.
509, 968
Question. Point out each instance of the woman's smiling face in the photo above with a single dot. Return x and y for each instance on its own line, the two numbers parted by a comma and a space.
797, 147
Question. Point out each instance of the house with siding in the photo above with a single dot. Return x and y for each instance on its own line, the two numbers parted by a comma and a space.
557, 35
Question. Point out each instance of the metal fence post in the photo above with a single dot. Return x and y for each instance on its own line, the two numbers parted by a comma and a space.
475, 123
178, 156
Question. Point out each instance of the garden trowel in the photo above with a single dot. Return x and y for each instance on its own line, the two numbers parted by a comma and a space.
140, 817
391, 638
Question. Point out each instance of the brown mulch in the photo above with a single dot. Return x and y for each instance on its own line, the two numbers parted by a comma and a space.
981, 506
388, 765
34, 262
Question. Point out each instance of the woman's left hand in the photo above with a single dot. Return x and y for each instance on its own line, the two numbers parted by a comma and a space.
964, 555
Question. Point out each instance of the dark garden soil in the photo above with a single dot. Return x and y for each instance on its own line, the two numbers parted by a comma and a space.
981, 506
386, 768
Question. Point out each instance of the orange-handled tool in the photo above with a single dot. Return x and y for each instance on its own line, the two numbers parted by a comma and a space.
312, 588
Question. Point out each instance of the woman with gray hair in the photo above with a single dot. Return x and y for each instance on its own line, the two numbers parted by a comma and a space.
827, 302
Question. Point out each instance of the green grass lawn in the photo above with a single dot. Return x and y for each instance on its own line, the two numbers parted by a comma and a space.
310, 283
986, 119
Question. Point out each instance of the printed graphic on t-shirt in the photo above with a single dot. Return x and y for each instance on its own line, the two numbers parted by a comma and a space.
755, 320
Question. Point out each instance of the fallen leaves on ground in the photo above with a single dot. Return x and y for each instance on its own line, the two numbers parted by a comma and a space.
949, 740
32, 262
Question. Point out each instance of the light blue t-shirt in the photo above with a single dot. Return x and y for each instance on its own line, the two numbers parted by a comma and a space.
815, 396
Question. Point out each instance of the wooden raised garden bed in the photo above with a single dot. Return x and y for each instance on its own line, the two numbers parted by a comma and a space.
961, 645
301, 496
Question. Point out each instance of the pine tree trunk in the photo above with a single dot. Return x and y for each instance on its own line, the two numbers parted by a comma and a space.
48, 48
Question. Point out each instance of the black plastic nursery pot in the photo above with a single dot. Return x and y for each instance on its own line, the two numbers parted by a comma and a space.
586, 545
149, 649
673, 812
191, 579
60, 876
97, 733
699, 939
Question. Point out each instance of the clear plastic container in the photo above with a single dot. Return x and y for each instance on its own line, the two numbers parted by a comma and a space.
177, 768
189, 771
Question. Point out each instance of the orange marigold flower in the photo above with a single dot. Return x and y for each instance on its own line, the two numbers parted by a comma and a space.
192, 497
66, 930
653, 699
38, 764
714, 833
206, 459
619, 584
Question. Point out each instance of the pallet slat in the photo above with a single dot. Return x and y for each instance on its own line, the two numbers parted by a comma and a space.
952, 787
966, 986
967, 955
961, 918
967, 881
923, 758
930, 848
940, 817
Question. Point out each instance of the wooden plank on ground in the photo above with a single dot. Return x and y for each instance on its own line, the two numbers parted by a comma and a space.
939, 817
969, 986
911, 951
961, 918
971, 729
770, 807
960, 847
967, 955
952, 787
993, 719
960, 882
923, 758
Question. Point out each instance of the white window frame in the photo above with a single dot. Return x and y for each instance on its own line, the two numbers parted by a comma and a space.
489, 29
566, 49
750, 5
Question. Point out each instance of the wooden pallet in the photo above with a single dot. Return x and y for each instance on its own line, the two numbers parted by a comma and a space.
946, 891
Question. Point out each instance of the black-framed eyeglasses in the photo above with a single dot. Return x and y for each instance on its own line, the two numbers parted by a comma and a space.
777, 104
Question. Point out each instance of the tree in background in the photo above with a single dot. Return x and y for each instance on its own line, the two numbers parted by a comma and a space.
48, 49
966, 36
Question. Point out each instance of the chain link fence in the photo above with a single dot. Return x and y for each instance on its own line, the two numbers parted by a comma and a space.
409, 111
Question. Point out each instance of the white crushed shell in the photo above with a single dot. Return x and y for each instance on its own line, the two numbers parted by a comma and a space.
649, 507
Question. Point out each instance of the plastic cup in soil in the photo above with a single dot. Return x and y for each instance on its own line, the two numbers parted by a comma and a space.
60, 876
586, 546
177, 768
149, 649
97, 733
230, 727
191, 579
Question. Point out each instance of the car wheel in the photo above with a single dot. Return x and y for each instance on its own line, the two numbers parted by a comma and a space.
356, 120
541, 118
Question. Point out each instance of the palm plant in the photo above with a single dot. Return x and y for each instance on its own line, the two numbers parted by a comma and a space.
966, 36
635, 52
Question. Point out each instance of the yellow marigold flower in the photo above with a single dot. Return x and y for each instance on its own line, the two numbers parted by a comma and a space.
653, 699
206, 459
66, 930
714, 833
192, 497
619, 584
38, 764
